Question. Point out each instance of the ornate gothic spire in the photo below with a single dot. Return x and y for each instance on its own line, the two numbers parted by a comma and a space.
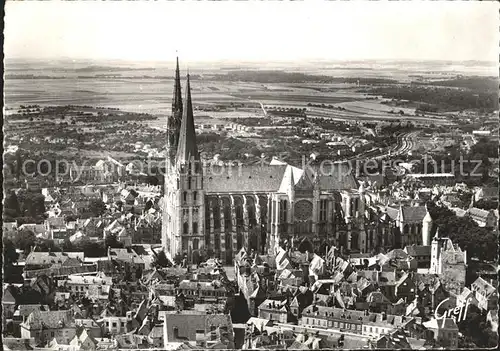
174, 120
177, 99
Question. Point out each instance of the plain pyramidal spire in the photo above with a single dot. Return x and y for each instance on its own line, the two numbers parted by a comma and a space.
187, 149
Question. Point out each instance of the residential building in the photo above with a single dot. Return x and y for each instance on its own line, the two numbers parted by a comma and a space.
485, 293
445, 332
198, 328
422, 255
45, 325
275, 311
352, 321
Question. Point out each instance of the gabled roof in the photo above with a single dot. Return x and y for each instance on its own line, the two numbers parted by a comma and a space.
397, 254
483, 286
402, 279
247, 178
273, 304
336, 176
478, 213
49, 319
26, 310
49, 258
126, 255
16, 344
377, 297
414, 214
418, 250
392, 212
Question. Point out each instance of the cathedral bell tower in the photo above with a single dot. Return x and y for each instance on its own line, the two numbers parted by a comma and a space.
182, 229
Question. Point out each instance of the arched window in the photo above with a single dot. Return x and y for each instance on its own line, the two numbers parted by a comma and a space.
195, 196
185, 228
195, 227
189, 182
185, 196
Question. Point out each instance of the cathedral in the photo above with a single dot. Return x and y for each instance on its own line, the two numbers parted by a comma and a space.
213, 211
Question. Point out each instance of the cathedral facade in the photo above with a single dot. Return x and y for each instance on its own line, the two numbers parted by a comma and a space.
213, 211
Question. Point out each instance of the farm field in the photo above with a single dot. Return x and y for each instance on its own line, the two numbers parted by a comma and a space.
148, 88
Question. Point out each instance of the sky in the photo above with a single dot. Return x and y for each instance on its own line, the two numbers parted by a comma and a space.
252, 30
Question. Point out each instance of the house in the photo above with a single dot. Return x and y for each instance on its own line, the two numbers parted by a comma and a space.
90, 326
302, 298
116, 325
80, 284
203, 291
485, 293
399, 259
198, 328
155, 336
483, 218
405, 288
378, 302
38, 229
45, 325
352, 321
422, 255
486, 193
40, 260
85, 341
17, 344
56, 223
127, 197
127, 257
23, 311
92, 227
445, 331
275, 311
430, 290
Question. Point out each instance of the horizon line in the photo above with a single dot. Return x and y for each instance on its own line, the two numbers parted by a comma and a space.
252, 60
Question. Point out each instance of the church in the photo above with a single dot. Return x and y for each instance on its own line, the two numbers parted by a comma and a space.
213, 210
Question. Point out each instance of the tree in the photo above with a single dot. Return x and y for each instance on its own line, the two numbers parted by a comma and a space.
476, 329
32, 204
10, 256
25, 240
11, 206
97, 207
68, 246
479, 242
